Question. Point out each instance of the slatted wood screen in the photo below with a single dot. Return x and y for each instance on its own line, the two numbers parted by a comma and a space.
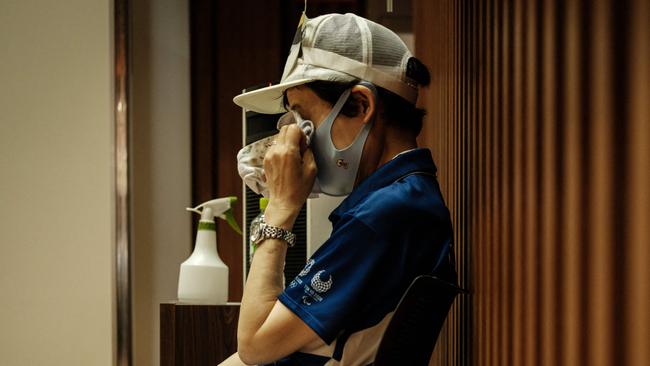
539, 122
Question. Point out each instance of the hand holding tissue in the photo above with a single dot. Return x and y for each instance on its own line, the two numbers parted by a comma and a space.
250, 159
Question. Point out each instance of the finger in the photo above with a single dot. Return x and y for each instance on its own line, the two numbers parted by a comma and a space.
285, 119
294, 136
281, 135
303, 145
309, 163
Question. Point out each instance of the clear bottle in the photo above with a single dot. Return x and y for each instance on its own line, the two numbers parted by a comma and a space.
251, 246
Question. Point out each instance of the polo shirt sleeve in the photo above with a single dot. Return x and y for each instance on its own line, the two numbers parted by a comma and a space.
339, 278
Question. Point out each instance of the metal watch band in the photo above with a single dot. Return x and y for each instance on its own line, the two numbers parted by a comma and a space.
275, 232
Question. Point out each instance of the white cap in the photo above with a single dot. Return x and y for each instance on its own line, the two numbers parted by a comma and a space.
340, 48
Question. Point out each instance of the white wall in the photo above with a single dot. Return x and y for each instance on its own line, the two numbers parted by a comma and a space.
56, 191
162, 235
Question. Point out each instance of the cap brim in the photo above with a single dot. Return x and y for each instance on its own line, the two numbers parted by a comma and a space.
267, 100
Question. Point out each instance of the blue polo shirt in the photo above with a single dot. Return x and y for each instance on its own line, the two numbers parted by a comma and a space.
393, 227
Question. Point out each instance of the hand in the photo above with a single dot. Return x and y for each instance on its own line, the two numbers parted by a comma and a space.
290, 171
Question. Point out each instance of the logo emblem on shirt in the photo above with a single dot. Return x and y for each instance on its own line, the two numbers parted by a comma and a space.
307, 268
306, 300
342, 163
319, 285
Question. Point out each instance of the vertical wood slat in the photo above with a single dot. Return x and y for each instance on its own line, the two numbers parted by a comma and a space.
505, 188
638, 199
542, 138
601, 165
518, 209
549, 320
571, 240
529, 184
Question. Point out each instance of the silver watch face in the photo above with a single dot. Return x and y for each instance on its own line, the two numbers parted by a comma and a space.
256, 231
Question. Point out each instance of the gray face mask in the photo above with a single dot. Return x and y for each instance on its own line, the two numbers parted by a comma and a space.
337, 169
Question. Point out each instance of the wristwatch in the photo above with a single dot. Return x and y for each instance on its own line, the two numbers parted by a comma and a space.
260, 231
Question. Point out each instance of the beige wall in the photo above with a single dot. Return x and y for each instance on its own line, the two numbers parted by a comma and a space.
56, 197
162, 235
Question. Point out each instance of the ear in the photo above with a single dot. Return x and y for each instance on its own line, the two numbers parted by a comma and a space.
366, 100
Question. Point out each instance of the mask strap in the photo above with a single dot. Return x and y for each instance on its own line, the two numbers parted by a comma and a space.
363, 134
340, 102
327, 123
326, 126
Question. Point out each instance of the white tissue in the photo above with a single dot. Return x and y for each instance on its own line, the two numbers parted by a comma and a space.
250, 159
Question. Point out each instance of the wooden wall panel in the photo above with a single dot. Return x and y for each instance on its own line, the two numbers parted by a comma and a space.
539, 122
637, 275
234, 45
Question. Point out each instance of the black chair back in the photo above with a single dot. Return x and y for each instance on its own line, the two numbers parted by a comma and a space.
413, 331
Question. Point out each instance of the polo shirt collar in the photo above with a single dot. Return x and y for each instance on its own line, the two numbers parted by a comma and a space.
403, 164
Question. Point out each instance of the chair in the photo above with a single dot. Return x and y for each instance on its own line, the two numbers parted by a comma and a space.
413, 331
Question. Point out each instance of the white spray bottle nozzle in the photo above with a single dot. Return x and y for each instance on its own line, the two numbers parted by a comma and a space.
221, 208
203, 277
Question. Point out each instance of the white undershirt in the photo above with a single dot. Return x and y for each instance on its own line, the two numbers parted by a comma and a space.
404, 152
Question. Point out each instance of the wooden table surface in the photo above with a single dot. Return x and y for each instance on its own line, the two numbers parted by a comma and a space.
197, 335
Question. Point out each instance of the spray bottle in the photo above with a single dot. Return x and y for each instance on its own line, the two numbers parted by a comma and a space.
203, 277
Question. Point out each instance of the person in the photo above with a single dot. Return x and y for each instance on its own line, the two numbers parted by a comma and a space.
358, 83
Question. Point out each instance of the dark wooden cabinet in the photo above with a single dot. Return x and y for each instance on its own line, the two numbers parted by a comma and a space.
197, 335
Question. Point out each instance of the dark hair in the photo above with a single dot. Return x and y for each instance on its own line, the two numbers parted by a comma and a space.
397, 111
